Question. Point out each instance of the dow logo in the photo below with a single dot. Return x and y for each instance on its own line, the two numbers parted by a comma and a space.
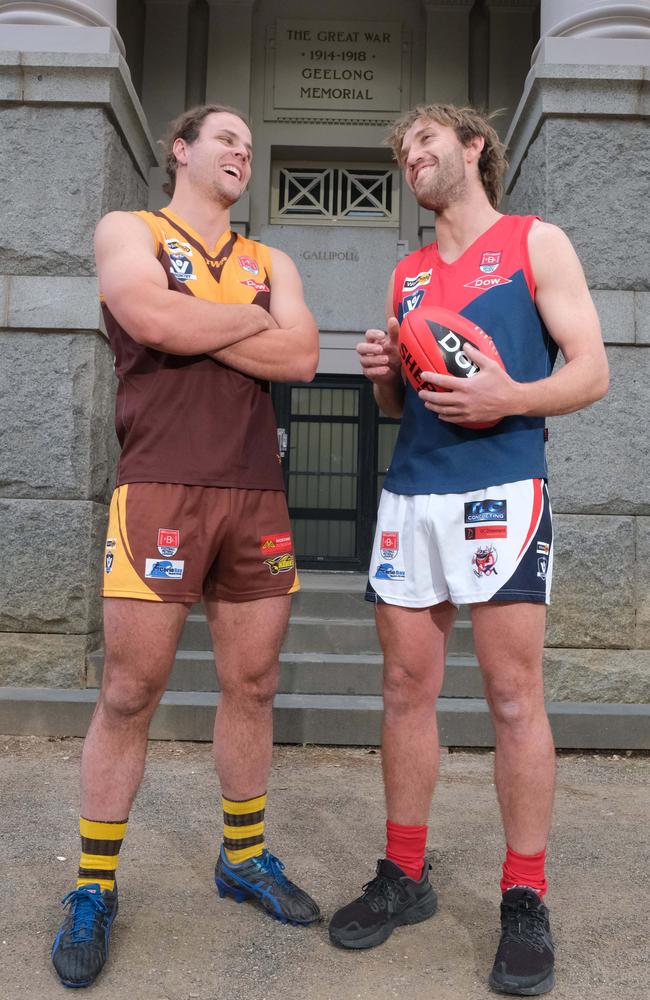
451, 347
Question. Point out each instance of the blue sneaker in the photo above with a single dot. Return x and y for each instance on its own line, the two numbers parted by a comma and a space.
263, 881
81, 946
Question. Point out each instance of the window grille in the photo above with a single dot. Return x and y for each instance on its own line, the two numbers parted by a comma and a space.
359, 195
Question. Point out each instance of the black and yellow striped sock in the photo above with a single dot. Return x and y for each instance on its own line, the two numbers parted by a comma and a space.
243, 828
100, 847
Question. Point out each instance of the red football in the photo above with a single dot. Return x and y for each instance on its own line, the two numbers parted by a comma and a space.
432, 339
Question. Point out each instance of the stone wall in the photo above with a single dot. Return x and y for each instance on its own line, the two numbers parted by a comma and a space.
75, 146
580, 159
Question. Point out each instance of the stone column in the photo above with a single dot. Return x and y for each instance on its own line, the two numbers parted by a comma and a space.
75, 146
580, 158
512, 35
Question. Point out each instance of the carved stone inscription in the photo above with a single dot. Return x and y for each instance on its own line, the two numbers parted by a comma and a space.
338, 65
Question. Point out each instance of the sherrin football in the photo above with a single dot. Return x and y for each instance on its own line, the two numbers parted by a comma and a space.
432, 339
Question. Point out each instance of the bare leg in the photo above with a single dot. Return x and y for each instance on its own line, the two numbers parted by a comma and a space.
140, 643
247, 637
414, 642
509, 640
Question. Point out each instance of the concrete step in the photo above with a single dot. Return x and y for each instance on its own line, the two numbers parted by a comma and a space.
309, 673
315, 633
333, 719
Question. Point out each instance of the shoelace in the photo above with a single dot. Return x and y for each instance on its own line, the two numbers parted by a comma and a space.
524, 923
379, 892
84, 907
273, 866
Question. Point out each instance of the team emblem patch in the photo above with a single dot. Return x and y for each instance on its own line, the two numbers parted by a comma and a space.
386, 571
168, 541
490, 262
249, 265
411, 302
423, 278
276, 544
484, 561
491, 282
181, 267
389, 544
164, 569
486, 510
280, 564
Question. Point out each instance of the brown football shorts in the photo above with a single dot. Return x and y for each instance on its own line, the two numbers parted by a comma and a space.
167, 542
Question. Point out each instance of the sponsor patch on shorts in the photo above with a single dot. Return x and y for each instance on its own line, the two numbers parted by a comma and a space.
484, 561
164, 569
389, 544
486, 531
486, 510
271, 545
168, 541
280, 564
386, 571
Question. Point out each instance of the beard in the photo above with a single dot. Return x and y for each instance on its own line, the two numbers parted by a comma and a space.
444, 185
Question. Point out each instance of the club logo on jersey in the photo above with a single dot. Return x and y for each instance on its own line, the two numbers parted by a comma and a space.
280, 564
423, 278
543, 548
386, 571
259, 286
486, 531
276, 544
491, 282
411, 302
178, 246
249, 265
542, 566
484, 561
181, 267
389, 544
490, 262
168, 541
109, 562
486, 510
164, 569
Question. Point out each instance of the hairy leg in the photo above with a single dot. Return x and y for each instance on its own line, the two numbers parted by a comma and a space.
509, 641
140, 643
247, 637
414, 642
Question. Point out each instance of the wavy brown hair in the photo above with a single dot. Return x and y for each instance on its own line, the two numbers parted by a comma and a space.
467, 123
187, 126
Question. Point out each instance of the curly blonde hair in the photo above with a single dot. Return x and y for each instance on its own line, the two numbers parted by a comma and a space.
187, 126
467, 123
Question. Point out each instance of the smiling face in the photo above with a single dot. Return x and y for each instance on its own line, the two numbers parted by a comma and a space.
218, 162
435, 164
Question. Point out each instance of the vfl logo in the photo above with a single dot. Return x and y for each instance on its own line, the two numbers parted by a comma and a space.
490, 262
496, 279
109, 562
280, 564
181, 267
484, 561
411, 302
542, 566
249, 265
423, 278
389, 544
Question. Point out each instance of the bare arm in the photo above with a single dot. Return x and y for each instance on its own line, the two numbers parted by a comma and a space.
380, 361
288, 351
565, 305
134, 286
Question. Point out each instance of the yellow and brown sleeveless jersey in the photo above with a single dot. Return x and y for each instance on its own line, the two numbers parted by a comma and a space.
186, 419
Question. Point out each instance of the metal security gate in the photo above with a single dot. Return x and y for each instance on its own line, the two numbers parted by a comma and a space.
334, 440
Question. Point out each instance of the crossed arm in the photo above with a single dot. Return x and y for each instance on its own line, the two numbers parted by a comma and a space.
281, 345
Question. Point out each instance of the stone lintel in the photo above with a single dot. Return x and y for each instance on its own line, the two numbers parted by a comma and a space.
36, 302
81, 79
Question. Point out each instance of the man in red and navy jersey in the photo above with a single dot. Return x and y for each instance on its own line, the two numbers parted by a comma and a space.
465, 518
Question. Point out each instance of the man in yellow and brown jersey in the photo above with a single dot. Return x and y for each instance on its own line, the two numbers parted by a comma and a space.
200, 320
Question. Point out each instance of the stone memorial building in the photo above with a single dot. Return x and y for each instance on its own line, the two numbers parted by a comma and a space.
86, 89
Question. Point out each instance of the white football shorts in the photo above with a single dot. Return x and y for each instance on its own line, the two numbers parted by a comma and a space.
494, 544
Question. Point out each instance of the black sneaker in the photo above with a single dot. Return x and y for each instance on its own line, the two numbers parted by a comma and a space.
81, 946
262, 880
524, 960
390, 900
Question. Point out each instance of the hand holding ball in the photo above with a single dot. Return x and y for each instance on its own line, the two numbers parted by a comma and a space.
432, 339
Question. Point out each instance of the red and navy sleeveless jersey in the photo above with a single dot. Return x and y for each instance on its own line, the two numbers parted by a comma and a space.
492, 284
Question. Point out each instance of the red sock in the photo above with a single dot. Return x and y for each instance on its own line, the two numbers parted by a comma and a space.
405, 847
524, 869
